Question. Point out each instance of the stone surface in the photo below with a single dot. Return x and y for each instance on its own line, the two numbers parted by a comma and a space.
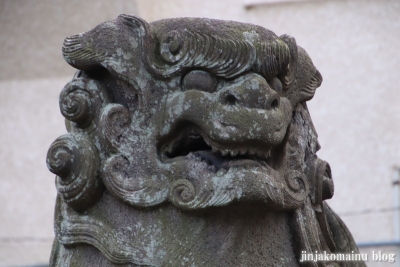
190, 143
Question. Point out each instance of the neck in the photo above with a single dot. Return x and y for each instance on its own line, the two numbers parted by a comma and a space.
236, 235
230, 236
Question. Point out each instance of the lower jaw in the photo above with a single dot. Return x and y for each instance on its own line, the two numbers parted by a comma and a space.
216, 161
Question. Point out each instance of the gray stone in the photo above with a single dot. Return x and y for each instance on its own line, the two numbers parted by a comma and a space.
190, 144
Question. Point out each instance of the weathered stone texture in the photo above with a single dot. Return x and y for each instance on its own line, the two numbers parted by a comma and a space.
190, 144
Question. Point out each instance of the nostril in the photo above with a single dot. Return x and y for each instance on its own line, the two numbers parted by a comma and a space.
230, 100
275, 103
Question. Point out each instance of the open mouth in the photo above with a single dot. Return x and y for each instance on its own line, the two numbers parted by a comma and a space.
192, 143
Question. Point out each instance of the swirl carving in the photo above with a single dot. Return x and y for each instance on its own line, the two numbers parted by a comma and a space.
172, 47
181, 49
322, 183
223, 56
296, 189
75, 161
321, 188
184, 195
75, 106
324, 174
80, 101
182, 192
115, 125
133, 187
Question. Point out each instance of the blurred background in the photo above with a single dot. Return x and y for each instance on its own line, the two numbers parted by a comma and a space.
354, 44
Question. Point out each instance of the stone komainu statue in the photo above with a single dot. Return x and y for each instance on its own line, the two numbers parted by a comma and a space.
190, 144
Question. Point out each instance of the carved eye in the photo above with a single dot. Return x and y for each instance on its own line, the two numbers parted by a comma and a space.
199, 80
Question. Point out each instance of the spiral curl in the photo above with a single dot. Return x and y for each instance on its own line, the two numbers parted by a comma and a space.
172, 47
296, 189
182, 192
80, 101
115, 125
75, 161
135, 187
323, 186
132, 186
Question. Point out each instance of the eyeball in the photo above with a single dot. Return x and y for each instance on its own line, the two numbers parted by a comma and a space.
199, 80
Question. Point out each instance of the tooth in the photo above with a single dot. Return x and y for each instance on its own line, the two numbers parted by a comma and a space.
214, 149
267, 155
259, 154
207, 142
252, 151
234, 152
224, 152
243, 151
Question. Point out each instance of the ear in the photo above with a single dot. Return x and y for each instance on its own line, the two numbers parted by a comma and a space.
135, 23
97, 47
289, 75
308, 92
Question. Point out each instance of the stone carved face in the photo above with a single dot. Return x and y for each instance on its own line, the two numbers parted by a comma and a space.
205, 108
194, 112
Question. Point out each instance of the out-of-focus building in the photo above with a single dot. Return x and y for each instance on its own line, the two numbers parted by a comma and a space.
356, 111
